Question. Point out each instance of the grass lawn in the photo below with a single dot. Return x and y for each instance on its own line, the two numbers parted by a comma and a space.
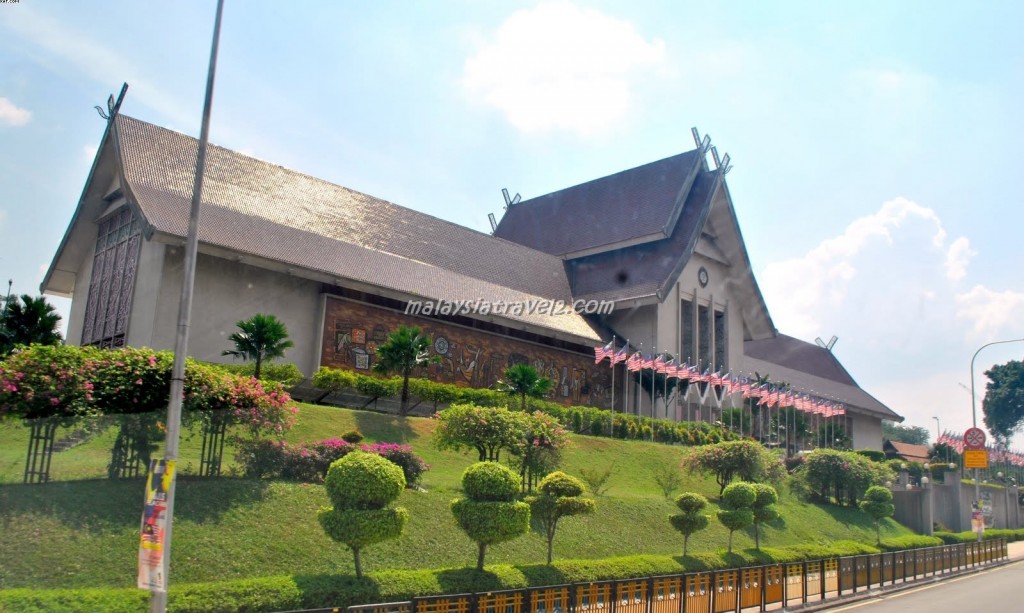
82, 529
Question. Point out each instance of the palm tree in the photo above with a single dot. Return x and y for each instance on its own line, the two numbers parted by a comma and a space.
30, 321
406, 349
259, 338
522, 380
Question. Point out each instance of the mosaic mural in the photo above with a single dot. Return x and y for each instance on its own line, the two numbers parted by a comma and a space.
354, 330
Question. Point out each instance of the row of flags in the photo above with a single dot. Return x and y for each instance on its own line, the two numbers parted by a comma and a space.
766, 394
995, 454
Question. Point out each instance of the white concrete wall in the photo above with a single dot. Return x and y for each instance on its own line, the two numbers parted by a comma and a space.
866, 431
80, 298
225, 292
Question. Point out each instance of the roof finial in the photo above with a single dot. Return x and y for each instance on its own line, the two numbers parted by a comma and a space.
510, 202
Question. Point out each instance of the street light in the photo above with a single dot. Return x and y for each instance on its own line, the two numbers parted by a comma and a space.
938, 433
974, 416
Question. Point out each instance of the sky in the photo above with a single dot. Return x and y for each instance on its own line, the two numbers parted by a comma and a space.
875, 145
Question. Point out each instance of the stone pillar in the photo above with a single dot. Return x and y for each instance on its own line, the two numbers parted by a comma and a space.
927, 505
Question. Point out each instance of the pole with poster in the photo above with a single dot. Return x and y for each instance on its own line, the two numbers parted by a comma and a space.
153, 530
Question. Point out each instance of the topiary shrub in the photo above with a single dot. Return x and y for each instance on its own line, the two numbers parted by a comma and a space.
690, 519
560, 496
490, 512
737, 507
764, 509
878, 504
360, 486
352, 436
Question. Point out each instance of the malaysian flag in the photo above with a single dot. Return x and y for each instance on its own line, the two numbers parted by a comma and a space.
647, 362
670, 368
633, 363
621, 355
607, 351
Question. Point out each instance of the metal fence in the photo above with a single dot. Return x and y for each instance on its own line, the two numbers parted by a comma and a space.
755, 588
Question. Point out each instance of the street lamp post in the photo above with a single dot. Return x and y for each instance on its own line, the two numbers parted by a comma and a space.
938, 428
974, 417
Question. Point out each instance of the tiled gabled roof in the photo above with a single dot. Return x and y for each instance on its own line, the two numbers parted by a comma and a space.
811, 369
633, 206
254, 207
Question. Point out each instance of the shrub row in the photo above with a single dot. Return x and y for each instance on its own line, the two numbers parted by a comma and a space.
318, 591
952, 538
286, 374
579, 419
308, 462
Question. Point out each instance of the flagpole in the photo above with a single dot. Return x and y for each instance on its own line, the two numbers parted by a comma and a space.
158, 599
612, 360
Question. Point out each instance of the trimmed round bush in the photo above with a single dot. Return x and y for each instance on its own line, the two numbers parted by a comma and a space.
739, 496
491, 522
357, 528
559, 484
490, 482
362, 480
691, 502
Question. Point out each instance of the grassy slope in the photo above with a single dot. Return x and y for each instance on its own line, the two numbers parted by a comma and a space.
84, 532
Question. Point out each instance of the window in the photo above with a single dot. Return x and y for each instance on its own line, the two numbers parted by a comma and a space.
704, 336
686, 348
113, 277
721, 342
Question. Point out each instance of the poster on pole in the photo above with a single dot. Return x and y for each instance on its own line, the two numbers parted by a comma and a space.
154, 525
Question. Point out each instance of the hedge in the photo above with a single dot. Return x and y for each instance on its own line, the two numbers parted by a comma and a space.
319, 591
952, 538
579, 419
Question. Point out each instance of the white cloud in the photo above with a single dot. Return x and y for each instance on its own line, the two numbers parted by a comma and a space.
992, 312
12, 114
958, 257
895, 256
561, 67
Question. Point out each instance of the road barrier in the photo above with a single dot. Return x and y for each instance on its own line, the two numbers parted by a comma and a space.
718, 591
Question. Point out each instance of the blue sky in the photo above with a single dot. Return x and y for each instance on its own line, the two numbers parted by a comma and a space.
875, 144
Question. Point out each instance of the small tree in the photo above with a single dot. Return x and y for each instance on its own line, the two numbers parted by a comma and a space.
764, 509
538, 452
597, 479
33, 321
405, 350
690, 520
746, 460
737, 508
666, 475
878, 504
522, 380
487, 430
560, 496
259, 338
490, 513
361, 486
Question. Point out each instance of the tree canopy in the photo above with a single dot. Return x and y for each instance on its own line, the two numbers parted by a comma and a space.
406, 349
28, 321
259, 338
1003, 406
913, 435
522, 380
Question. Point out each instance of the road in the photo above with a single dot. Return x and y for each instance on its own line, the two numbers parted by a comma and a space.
997, 589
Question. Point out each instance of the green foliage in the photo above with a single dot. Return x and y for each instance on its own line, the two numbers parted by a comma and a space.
1003, 406
466, 426
914, 435
490, 482
668, 478
363, 481
878, 504
597, 479
377, 388
405, 350
334, 379
260, 338
352, 436
737, 507
690, 519
764, 509
746, 460
872, 454
522, 380
287, 374
829, 475
490, 514
910, 541
538, 450
561, 495
48, 382
29, 322
361, 485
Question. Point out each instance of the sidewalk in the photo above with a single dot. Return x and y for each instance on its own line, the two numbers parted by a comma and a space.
1014, 552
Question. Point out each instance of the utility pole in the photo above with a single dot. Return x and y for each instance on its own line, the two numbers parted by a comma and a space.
158, 601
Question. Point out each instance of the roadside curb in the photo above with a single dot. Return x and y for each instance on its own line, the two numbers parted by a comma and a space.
892, 589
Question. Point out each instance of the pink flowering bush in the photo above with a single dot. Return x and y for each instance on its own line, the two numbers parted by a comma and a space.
538, 451
309, 462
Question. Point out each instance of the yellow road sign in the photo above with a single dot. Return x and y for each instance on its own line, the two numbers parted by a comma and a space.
975, 458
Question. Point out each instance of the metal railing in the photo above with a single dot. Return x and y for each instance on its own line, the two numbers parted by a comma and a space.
719, 591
